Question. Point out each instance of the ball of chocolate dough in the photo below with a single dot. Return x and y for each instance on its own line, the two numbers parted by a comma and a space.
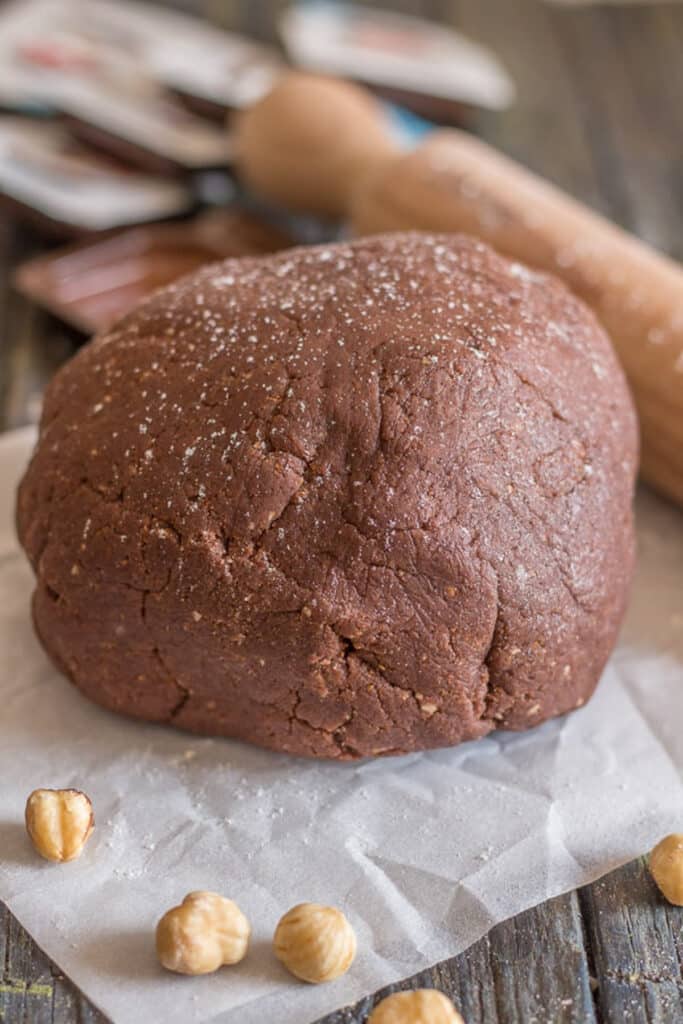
340, 501
310, 141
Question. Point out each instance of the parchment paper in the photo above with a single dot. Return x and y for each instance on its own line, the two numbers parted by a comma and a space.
425, 852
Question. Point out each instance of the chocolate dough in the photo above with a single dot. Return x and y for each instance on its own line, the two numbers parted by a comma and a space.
349, 500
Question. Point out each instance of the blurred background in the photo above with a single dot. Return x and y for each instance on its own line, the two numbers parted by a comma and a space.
118, 160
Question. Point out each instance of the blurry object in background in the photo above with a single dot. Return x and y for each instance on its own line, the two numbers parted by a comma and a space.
72, 189
454, 182
176, 50
214, 71
150, 131
110, 68
91, 284
424, 66
306, 144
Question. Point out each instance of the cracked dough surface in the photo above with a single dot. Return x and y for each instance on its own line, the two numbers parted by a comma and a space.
358, 499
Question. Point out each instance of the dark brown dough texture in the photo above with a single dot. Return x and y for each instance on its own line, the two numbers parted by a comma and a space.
349, 500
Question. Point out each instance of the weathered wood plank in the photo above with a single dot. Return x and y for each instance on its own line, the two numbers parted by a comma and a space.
636, 943
6, 240
637, 161
32, 988
26, 985
32, 344
539, 984
545, 129
531, 969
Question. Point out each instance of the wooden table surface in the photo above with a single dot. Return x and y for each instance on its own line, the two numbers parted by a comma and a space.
600, 112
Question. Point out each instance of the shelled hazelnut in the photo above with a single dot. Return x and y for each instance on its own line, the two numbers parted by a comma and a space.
666, 867
59, 822
202, 934
315, 943
422, 1006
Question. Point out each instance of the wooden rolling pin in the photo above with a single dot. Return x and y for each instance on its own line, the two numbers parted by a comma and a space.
309, 141
454, 182
323, 145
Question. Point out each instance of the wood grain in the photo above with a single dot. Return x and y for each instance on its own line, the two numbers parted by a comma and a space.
636, 942
599, 112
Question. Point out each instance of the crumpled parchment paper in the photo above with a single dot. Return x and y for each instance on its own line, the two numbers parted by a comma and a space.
425, 852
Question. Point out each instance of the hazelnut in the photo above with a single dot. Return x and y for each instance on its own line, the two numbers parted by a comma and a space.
203, 933
666, 867
315, 943
423, 1006
59, 822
